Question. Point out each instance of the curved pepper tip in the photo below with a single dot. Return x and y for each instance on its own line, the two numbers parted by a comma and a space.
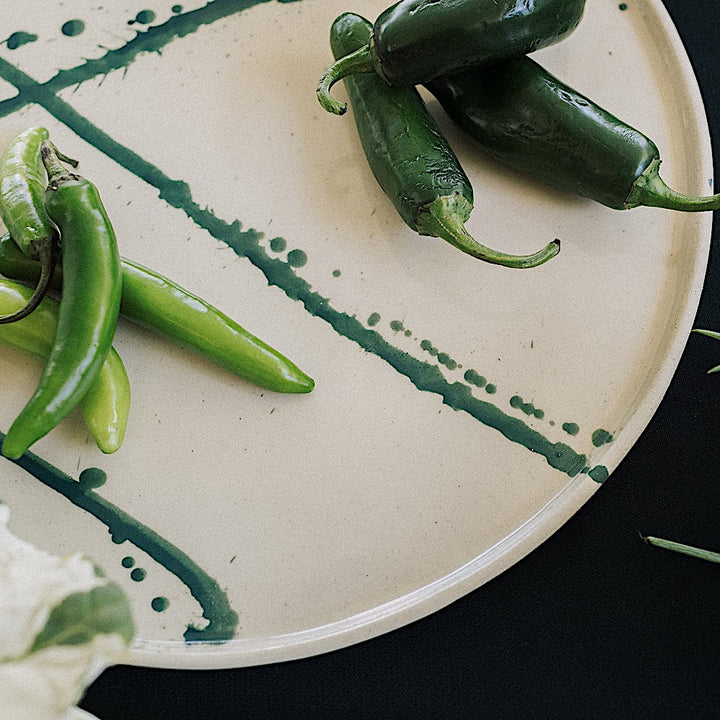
11, 449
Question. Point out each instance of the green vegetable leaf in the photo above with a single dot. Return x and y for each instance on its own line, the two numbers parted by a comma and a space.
684, 549
81, 616
709, 333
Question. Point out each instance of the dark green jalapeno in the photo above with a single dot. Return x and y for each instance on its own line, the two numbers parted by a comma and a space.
106, 403
22, 190
522, 115
414, 41
89, 304
411, 159
159, 304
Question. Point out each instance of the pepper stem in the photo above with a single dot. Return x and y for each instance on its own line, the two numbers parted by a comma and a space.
53, 161
360, 61
650, 190
445, 218
47, 255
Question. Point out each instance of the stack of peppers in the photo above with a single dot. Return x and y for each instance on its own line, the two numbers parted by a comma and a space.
472, 56
60, 238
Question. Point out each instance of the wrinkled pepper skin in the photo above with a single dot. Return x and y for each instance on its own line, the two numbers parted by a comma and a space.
525, 117
411, 159
22, 192
22, 208
408, 155
520, 114
417, 40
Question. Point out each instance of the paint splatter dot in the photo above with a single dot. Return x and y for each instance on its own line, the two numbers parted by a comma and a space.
297, 258
374, 319
144, 17
278, 244
92, 478
623, 6
599, 473
528, 408
601, 437
490, 389
18, 39
397, 326
447, 361
128, 562
138, 574
336, 273
177, 9
474, 378
73, 28
160, 604
571, 428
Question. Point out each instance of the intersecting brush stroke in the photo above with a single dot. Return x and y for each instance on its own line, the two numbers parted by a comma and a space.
246, 243
222, 619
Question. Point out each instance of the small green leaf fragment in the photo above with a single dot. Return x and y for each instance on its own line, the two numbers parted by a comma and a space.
104, 610
684, 549
709, 333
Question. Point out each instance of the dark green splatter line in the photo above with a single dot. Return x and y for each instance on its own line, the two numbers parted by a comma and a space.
246, 243
222, 619
150, 40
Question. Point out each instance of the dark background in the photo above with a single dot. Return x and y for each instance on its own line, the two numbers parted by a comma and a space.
592, 624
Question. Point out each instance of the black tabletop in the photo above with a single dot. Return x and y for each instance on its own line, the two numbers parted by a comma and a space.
593, 624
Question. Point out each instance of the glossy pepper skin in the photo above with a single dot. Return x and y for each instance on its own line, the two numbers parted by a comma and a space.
522, 115
22, 207
415, 41
106, 404
161, 305
410, 158
89, 305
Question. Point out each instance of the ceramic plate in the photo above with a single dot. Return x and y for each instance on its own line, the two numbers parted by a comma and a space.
462, 411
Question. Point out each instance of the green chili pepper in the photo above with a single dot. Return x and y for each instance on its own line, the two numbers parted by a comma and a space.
106, 403
89, 305
522, 115
415, 41
22, 190
411, 159
161, 305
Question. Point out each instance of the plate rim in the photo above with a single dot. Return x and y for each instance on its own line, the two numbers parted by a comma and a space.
441, 592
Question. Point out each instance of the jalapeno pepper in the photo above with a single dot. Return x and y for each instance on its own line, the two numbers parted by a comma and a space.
106, 403
522, 115
415, 41
411, 159
89, 305
155, 302
22, 190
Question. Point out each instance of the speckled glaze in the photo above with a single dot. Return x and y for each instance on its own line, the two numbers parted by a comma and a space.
461, 413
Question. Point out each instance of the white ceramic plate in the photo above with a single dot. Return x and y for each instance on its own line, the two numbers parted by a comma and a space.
462, 411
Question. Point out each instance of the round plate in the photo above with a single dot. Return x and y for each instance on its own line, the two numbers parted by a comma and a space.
462, 411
